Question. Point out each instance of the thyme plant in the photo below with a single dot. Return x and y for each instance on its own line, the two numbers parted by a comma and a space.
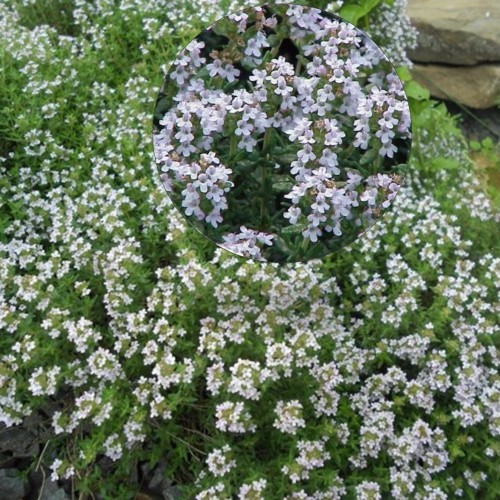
285, 130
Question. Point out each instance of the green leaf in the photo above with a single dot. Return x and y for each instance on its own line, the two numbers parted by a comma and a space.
351, 13
282, 244
445, 164
283, 186
223, 27
246, 64
287, 159
404, 73
371, 4
475, 145
487, 143
294, 229
368, 157
273, 40
416, 91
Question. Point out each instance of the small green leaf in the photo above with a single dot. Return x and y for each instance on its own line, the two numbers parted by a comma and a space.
294, 229
286, 159
351, 13
445, 164
223, 27
404, 73
273, 40
475, 145
368, 157
283, 186
487, 143
370, 5
416, 91
247, 64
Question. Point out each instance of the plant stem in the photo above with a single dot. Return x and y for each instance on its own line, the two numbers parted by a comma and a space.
263, 197
264, 175
305, 244
233, 147
267, 140
376, 164
298, 67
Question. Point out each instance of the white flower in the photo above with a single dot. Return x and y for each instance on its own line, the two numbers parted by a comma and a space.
233, 417
312, 232
289, 416
293, 214
252, 491
219, 461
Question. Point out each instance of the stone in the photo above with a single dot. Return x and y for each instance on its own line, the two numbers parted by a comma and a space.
19, 441
58, 494
50, 490
143, 496
171, 492
158, 477
12, 487
158, 483
459, 32
42, 487
473, 86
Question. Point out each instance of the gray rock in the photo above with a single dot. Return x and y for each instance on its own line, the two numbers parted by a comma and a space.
58, 494
158, 482
158, 477
43, 488
19, 441
474, 86
171, 493
12, 487
50, 490
460, 32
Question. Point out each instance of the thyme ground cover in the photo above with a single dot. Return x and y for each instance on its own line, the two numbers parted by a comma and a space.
372, 373
280, 132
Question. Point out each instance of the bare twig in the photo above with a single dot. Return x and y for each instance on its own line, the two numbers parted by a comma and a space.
42, 485
41, 455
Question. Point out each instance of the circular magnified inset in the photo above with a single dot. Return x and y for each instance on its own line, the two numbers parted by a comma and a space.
282, 132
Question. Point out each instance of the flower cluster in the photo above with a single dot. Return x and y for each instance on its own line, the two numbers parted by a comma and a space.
328, 119
232, 417
393, 29
207, 178
246, 242
219, 462
289, 417
246, 377
312, 456
252, 491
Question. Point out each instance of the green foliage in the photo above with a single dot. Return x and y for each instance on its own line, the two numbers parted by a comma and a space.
353, 12
415, 91
486, 156
56, 13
